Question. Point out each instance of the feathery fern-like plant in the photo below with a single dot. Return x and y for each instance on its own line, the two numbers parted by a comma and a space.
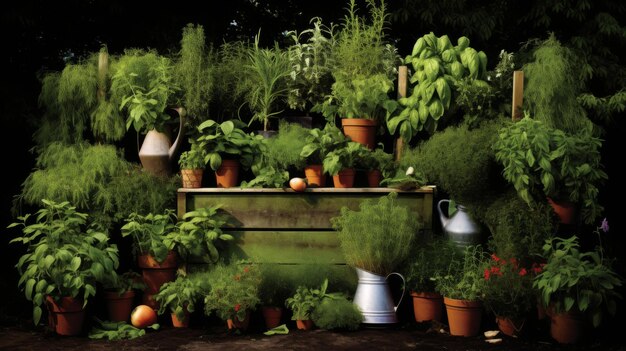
378, 236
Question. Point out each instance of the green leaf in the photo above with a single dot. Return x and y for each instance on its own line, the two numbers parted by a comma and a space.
569, 303
418, 47
75, 264
215, 161
36, 314
28, 288
227, 127
431, 68
435, 108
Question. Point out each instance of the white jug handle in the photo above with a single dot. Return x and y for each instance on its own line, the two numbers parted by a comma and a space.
395, 308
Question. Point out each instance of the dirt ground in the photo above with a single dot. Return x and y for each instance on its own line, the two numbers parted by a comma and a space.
214, 336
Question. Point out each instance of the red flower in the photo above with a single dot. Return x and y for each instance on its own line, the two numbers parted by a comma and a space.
237, 307
523, 272
514, 262
496, 270
494, 257
487, 274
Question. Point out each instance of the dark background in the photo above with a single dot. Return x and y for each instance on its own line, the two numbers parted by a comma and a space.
37, 36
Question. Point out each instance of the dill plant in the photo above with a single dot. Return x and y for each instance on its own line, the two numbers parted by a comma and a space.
378, 236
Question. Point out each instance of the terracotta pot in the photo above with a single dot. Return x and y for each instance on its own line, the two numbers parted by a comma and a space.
315, 175
427, 306
228, 174
344, 179
156, 274
119, 305
177, 323
360, 130
304, 324
373, 178
272, 316
192, 178
565, 210
464, 316
237, 324
67, 315
510, 327
567, 327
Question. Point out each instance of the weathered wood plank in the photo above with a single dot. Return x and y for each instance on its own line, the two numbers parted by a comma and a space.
279, 209
287, 247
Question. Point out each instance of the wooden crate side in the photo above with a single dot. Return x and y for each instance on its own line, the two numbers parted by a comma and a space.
298, 211
287, 247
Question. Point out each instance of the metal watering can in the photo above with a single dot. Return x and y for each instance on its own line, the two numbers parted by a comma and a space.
374, 298
157, 150
460, 227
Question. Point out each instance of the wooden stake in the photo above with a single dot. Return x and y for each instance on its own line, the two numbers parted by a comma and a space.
518, 95
103, 68
403, 77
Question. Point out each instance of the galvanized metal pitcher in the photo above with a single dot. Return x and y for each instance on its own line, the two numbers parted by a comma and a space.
460, 227
374, 298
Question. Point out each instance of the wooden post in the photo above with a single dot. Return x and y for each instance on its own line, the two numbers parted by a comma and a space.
403, 78
518, 95
103, 68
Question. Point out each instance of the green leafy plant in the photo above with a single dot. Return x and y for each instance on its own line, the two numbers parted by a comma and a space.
200, 234
124, 282
378, 236
227, 138
306, 300
153, 234
320, 142
508, 287
310, 55
364, 66
437, 65
460, 161
539, 160
179, 296
282, 151
269, 69
405, 180
117, 330
64, 256
144, 84
193, 158
268, 177
554, 80
234, 291
377, 159
464, 279
576, 280
106, 121
430, 259
193, 71
337, 313
516, 229
344, 157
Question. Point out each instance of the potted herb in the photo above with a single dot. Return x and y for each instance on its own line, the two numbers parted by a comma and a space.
268, 69
364, 66
544, 162
200, 237
179, 297
310, 56
65, 258
275, 288
378, 165
192, 165
509, 292
227, 147
462, 286
575, 286
143, 83
234, 293
430, 260
319, 143
340, 163
154, 242
119, 294
437, 66
374, 240
304, 302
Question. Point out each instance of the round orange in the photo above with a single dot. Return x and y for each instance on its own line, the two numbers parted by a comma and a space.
143, 316
297, 184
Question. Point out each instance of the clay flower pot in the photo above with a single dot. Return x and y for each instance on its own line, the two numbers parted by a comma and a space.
119, 305
315, 176
345, 178
66, 315
228, 174
272, 316
464, 316
156, 274
567, 327
509, 326
235, 323
373, 178
427, 306
304, 324
565, 210
192, 178
361, 130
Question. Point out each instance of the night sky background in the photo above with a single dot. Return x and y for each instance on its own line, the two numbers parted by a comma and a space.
37, 36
